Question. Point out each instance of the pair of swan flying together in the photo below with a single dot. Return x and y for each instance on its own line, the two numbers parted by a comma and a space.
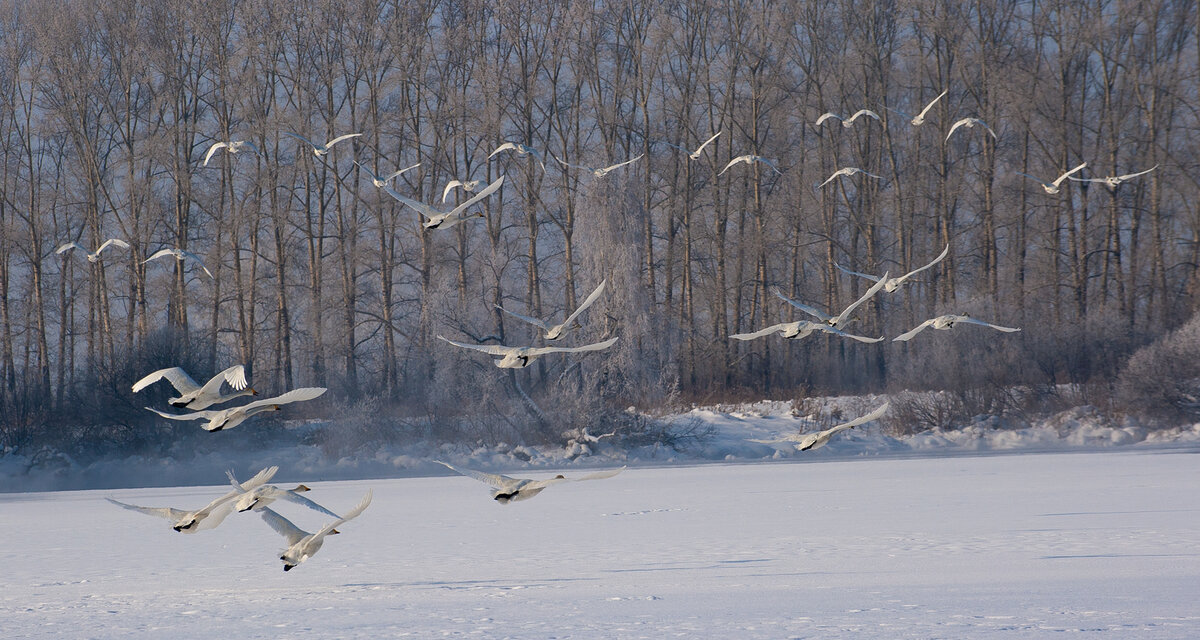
194, 396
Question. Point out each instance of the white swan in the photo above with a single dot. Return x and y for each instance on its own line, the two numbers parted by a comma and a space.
840, 318
521, 357
599, 173
180, 255
469, 186
891, 284
695, 155
1112, 181
508, 489
521, 150
194, 396
749, 158
207, 517
919, 119
446, 219
321, 150
303, 545
809, 441
948, 322
93, 256
233, 146
970, 123
847, 171
800, 329
382, 182
219, 419
258, 498
556, 331
1052, 187
848, 122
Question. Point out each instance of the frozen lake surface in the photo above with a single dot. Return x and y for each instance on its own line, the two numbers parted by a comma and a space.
1105, 544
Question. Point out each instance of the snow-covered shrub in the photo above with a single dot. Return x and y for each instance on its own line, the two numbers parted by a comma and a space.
1162, 379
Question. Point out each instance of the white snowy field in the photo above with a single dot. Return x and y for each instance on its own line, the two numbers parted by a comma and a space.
1105, 544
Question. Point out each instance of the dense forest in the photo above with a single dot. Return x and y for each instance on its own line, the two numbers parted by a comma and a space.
320, 278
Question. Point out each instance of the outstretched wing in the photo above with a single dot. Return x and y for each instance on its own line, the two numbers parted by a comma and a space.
598, 346
295, 395
970, 320
487, 191
908, 335
942, 256
956, 126
195, 258
931, 103
621, 164
212, 150
340, 138
696, 153
733, 162
495, 480
178, 378
812, 311
160, 253
161, 512
490, 349
865, 112
374, 177
762, 332
195, 415
450, 187
507, 146
235, 376
533, 321
845, 314
874, 415
599, 475
301, 500
838, 332
1065, 175
301, 138
855, 273
114, 242
350, 515
1034, 178
1134, 175
70, 245
399, 172
419, 207
586, 303
826, 116
283, 526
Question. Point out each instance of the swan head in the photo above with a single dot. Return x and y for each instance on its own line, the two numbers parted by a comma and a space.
253, 392
333, 532
300, 488
287, 566
560, 477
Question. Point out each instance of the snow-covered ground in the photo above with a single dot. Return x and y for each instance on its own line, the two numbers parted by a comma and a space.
1104, 544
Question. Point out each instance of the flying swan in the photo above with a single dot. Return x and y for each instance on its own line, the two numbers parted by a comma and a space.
809, 441
1112, 181
506, 489
521, 357
556, 331
1052, 187
303, 545
321, 150
194, 396
948, 322
180, 255
800, 329
750, 158
233, 146
446, 219
230, 418
599, 173
840, 318
919, 119
891, 284
207, 517
260, 497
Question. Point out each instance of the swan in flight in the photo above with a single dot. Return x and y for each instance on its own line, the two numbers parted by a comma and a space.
809, 441
446, 219
848, 122
1052, 187
695, 155
1112, 181
180, 255
847, 171
919, 119
521, 150
508, 489
970, 124
194, 396
469, 186
321, 150
556, 331
800, 329
599, 173
303, 545
233, 146
382, 182
219, 419
93, 256
891, 284
207, 517
521, 357
947, 322
259, 497
840, 318
749, 159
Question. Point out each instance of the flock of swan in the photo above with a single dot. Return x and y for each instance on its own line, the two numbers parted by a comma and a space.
255, 495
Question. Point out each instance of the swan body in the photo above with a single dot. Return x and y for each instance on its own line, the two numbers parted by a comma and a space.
180, 255
599, 173
891, 284
381, 182
1112, 181
233, 146
521, 357
841, 318
445, 219
947, 322
321, 150
847, 171
207, 517
1053, 187
556, 331
748, 159
259, 498
469, 186
507, 489
303, 545
521, 150
93, 256
192, 394
219, 419
799, 330
809, 441
970, 123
